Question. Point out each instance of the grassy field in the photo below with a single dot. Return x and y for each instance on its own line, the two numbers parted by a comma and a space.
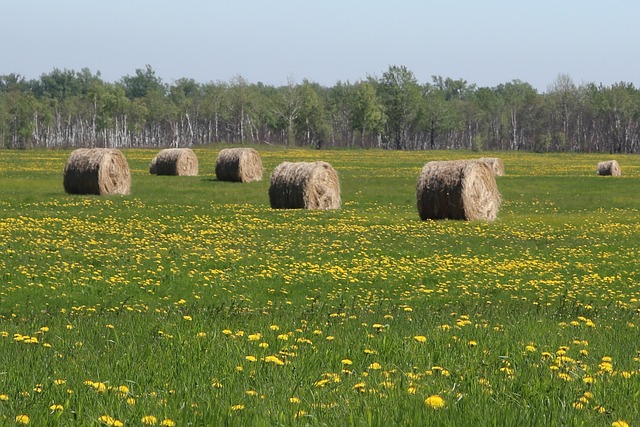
191, 302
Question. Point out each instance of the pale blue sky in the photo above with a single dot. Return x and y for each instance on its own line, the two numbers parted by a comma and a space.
486, 42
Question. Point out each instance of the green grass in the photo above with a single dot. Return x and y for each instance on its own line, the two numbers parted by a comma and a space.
183, 290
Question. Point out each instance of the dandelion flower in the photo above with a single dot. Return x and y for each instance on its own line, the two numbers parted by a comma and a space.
420, 338
346, 361
56, 407
168, 423
23, 419
619, 423
4, 397
294, 400
238, 407
149, 420
250, 358
273, 359
375, 365
435, 401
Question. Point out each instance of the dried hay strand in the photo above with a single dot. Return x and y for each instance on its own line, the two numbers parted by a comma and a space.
495, 164
239, 165
304, 185
457, 189
101, 171
610, 167
177, 161
152, 166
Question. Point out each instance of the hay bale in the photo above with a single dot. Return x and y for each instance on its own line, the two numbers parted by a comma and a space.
495, 164
239, 165
610, 167
152, 166
457, 189
304, 185
177, 161
101, 171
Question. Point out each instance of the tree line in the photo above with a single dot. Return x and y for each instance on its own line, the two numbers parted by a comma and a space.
66, 108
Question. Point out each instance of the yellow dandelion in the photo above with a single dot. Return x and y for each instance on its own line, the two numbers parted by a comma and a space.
4, 397
168, 423
619, 423
227, 332
435, 401
294, 400
149, 420
238, 407
254, 337
56, 407
274, 359
106, 419
346, 361
375, 366
588, 380
420, 338
321, 383
250, 358
23, 419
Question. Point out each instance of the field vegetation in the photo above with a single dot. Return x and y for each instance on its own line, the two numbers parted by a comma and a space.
192, 302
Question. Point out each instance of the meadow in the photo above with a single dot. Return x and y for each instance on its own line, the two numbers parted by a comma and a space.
192, 302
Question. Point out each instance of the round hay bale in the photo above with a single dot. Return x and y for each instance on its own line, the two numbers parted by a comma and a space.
610, 167
457, 189
239, 165
152, 166
101, 171
304, 185
495, 164
177, 161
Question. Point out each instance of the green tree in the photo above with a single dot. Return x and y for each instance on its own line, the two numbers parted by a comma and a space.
142, 83
400, 95
367, 114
